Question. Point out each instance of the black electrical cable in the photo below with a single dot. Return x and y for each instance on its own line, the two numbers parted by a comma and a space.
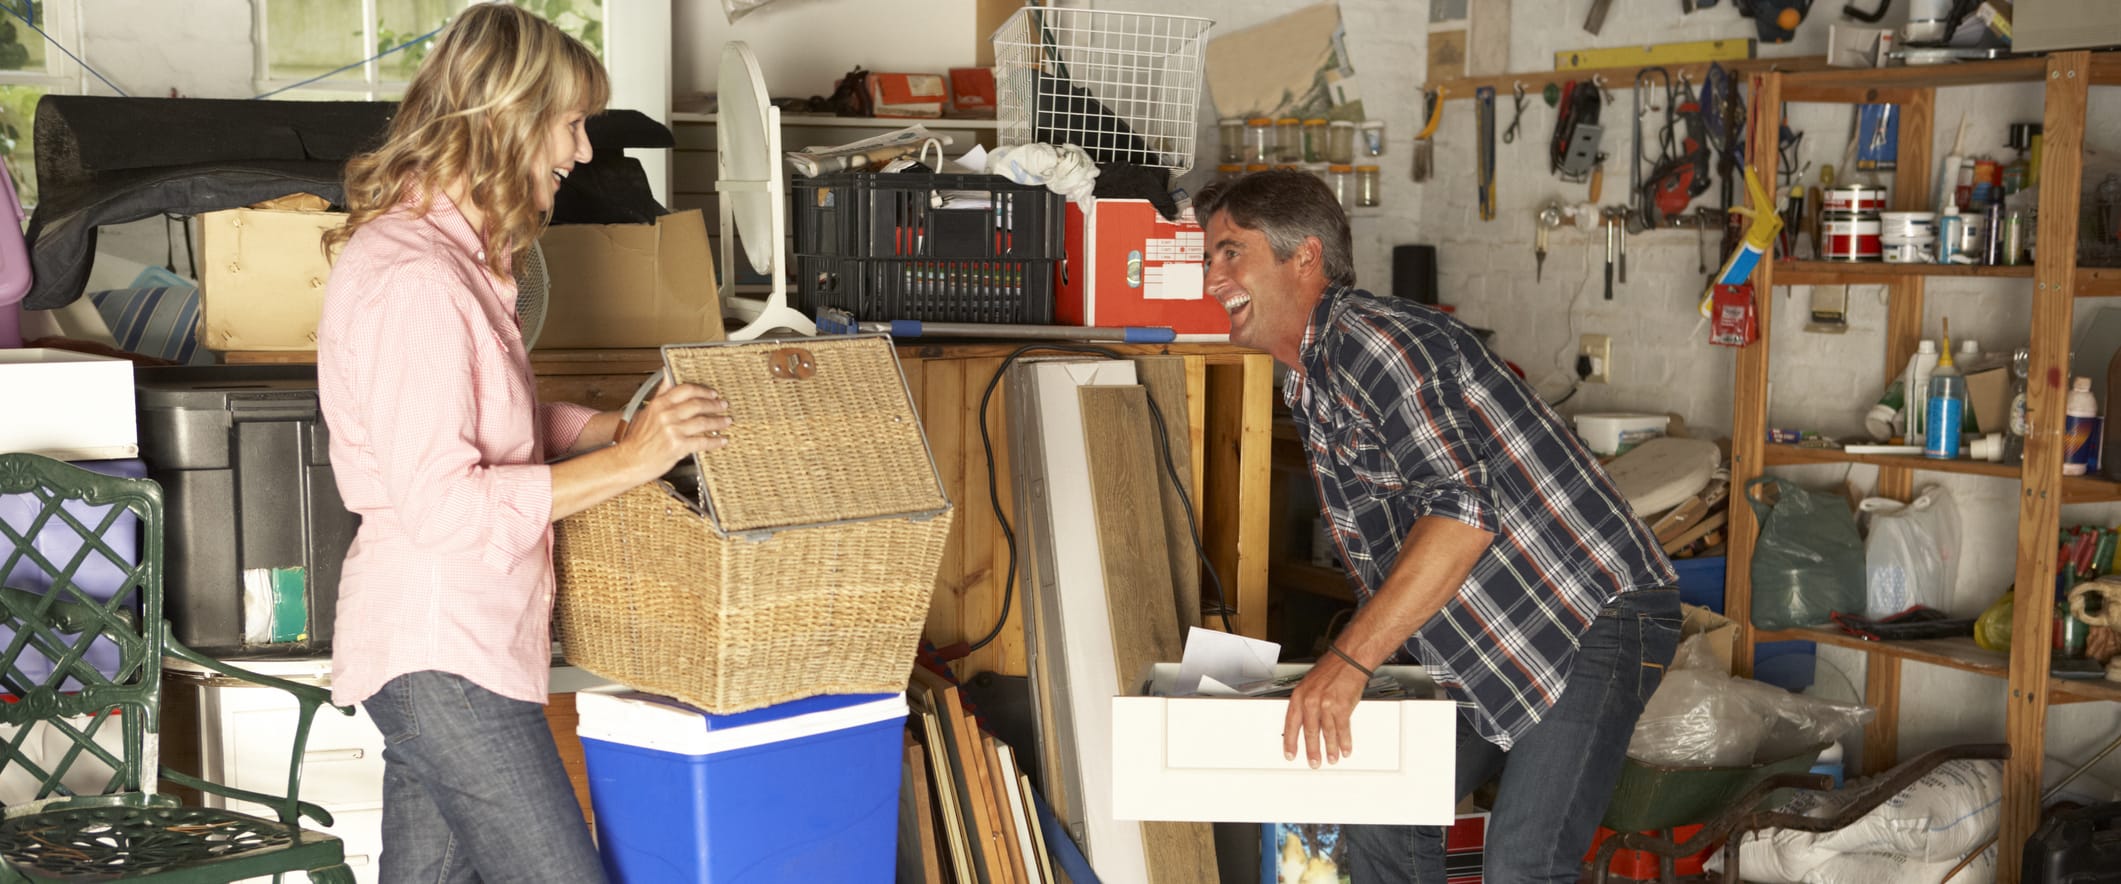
994, 498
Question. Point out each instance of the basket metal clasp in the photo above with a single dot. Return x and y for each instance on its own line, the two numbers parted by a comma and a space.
791, 362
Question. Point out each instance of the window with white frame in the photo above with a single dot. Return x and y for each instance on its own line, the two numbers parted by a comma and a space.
30, 68
298, 40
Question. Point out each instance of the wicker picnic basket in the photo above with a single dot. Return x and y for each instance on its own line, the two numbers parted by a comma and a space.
804, 562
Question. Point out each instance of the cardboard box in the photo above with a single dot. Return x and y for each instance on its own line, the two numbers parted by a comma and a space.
630, 285
1988, 395
1128, 266
261, 278
1218, 759
67, 405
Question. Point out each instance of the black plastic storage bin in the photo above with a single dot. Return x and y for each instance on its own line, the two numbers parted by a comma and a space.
245, 467
937, 248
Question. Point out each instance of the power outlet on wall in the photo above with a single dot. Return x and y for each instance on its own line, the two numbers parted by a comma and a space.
1598, 350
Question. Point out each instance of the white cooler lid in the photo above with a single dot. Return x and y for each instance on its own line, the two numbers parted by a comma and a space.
649, 721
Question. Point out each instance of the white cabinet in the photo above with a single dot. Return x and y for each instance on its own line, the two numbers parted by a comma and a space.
246, 733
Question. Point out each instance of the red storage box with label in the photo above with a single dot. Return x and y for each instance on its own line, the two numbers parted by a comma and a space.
1128, 266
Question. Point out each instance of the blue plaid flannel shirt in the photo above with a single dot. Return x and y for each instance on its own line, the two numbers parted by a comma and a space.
1405, 413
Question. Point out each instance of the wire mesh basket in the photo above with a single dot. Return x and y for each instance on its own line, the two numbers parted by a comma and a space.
1123, 86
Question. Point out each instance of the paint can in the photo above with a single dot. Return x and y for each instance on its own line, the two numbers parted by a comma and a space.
1854, 198
1848, 236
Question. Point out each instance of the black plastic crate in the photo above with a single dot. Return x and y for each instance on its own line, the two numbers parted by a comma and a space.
937, 248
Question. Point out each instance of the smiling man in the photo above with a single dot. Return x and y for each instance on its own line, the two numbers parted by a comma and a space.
1484, 540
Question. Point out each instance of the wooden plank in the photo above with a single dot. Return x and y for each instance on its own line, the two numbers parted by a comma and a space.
2098, 282
1881, 691
2039, 504
950, 616
1878, 273
1144, 620
918, 860
1255, 478
1749, 404
1165, 379
965, 782
956, 840
998, 785
1838, 93
561, 718
1619, 78
1219, 523
1904, 330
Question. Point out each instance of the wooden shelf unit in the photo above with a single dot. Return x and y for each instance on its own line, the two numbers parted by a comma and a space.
2056, 281
1952, 653
2092, 282
2075, 489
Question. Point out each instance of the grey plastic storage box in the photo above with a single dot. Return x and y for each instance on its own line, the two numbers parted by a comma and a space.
256, 530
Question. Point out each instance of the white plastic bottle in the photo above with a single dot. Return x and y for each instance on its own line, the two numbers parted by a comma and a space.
2080, 430
1919, 367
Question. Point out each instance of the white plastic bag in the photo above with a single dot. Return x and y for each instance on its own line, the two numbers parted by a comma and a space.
1701, 716
1915, 836
1912, 554
736, 9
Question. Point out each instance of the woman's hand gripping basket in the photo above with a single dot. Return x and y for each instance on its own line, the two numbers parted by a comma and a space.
803, 562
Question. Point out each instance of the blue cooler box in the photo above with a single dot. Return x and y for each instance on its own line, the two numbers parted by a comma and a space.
805, 791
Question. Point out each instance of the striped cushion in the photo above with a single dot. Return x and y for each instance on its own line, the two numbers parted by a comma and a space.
158, 316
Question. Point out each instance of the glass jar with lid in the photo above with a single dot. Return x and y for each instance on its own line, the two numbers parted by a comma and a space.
1368, 183
1252, 168
1340, 142
1341, 178
1229, 171
1259, 140
1233, 139
1289, 139
1315, 140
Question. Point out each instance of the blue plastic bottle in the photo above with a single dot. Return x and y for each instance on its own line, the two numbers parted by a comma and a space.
1944, 409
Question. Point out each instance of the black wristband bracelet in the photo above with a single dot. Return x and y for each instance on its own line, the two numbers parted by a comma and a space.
1366, 671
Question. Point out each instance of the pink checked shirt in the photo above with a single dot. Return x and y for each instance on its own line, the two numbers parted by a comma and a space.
439, 444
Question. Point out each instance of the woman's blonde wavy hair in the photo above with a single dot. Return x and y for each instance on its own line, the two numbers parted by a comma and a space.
478, 111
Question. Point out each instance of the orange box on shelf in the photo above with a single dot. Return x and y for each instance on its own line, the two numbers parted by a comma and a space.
1127, 266
907, 95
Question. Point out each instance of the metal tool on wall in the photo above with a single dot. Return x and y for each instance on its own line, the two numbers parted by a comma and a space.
1573, 151
1424, 143
1509, 135
1643, 79
1614, 223
1484, 116
1549, 218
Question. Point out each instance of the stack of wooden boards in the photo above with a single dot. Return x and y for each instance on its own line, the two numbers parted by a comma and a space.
1108, 575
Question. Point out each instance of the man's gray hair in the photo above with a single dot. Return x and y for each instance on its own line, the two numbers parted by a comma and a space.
1286, 206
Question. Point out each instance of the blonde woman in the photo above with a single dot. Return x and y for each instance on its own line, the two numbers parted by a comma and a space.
440, 445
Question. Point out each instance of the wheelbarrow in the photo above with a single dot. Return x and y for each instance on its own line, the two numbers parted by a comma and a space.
1736, 800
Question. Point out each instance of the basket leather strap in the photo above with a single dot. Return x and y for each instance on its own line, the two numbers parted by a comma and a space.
634, 404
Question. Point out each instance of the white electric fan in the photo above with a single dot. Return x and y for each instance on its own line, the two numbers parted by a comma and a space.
747, 142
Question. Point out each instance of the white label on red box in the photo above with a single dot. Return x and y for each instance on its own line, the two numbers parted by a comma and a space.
1173, 282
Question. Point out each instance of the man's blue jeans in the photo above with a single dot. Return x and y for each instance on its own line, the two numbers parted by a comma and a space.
473, 789
1558, 778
